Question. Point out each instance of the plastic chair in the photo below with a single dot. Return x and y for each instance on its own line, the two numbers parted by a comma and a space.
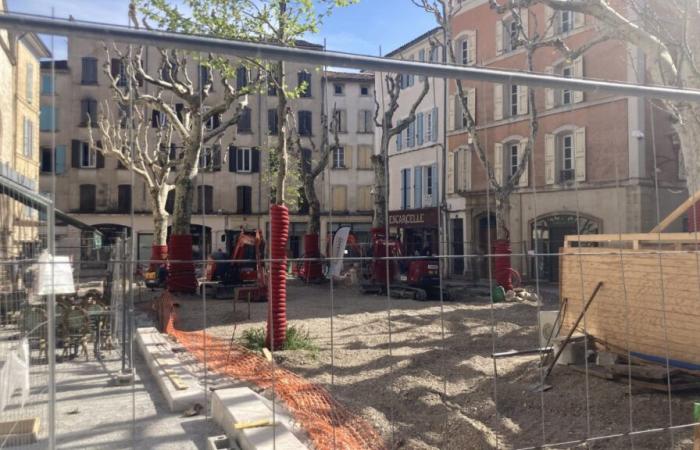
33, 325
77, 331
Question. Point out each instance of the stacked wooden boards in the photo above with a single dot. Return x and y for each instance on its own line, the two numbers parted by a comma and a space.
649, 303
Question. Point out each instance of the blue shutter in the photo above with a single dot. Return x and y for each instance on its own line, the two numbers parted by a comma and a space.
398, 141
60, 159
419, 131
418, 187
434, 185
434, 133
403, 188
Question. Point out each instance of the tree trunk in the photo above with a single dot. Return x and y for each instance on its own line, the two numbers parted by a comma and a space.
159, 247
501, 246
282, 156
380, 183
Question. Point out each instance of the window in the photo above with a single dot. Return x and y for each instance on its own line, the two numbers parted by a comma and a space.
205, 159
364, 91
244, 200
405, 188
47, 84
88, 156
460, 114
463, 51
339, 158
118, 71
46, 160
306, 157
124, 198
272, 121
205, 77
566, 21
567, 158
28, 142
338, 89
513, 100
87, 198
245, 121
340, 119
431, 126
399, 142
88, 112
205, 199
365, 121
513, 38
512, 159
410, 134
47, 118
271, 86
433, 55
420, 134
213, 122
241, 77
60, 156
364, 198
243, 160
429, 180
364, 157
29, 80
304, 120
158, 119
89, 70
566, 95
304, 83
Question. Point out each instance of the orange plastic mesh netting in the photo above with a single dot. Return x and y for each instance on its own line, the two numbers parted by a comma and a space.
328, 423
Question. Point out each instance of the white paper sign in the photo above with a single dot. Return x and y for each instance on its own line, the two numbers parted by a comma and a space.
339, 241
55, 275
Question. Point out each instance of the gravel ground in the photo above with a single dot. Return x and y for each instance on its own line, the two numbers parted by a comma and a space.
422, 390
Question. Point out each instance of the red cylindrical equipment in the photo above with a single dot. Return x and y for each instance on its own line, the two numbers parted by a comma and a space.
277, 305
379, 250
158, 253
313, 270
502, 268
181, 276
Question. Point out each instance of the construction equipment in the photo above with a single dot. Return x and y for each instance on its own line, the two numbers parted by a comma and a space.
244, 268
418, 279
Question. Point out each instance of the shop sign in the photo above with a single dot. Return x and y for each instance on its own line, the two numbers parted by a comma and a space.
417, 217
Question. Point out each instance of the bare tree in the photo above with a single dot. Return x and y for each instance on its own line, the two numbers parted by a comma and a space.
389, 130
128, 138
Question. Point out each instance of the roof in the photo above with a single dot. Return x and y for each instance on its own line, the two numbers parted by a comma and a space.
412, 42
59, 65
350, 76
307, 44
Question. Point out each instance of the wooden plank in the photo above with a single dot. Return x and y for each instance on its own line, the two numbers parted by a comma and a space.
19, 432
691, 237
677, 213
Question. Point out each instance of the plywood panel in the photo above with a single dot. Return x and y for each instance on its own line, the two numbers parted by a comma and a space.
649, 303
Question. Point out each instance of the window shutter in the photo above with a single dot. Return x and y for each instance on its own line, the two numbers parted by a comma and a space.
578, 73
232, 151
347, 156
451, 113
60, 159
418, 187
255, 160
83, 112
580, 153
522, 99
499, 37
549, 93
434, 132
99, 157
450, 172
434, 187
216, 158
466, 162
472, 47
398, 141
497, 101
549, 24
498, 162
549, 162
419, 128
240, 199
524, 178
471, 102
579, 20
75, 153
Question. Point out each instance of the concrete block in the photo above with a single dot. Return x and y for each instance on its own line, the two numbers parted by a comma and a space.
241, 404
179, 387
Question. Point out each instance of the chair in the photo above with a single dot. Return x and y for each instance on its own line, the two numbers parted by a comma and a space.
77, 331
33, 325
99, 326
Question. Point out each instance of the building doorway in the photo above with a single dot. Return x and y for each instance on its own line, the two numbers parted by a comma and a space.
485, 234
548, 234
457, 226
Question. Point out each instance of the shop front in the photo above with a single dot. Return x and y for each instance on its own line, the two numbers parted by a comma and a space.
417, 229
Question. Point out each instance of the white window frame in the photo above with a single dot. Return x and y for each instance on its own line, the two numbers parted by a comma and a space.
91, 154
364, 87
513, 158
244, 160
569, 22
567, 95
366, 125
513, 100
28, 143
335, 89
464, 50
428, 182
510, 35
565, 161
429, 127
339, 157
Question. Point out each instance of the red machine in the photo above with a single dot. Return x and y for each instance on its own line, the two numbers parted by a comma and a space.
245, 267
417, 278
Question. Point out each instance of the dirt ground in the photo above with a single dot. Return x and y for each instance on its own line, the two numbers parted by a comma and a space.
390, 363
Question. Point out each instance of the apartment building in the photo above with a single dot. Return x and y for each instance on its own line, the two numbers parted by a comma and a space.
233, 187
349, 174
592, 169
416, 155
19, 137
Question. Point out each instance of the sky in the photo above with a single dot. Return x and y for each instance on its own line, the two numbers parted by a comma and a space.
360, 28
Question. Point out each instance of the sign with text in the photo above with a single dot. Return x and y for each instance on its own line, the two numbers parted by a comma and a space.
414, 218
